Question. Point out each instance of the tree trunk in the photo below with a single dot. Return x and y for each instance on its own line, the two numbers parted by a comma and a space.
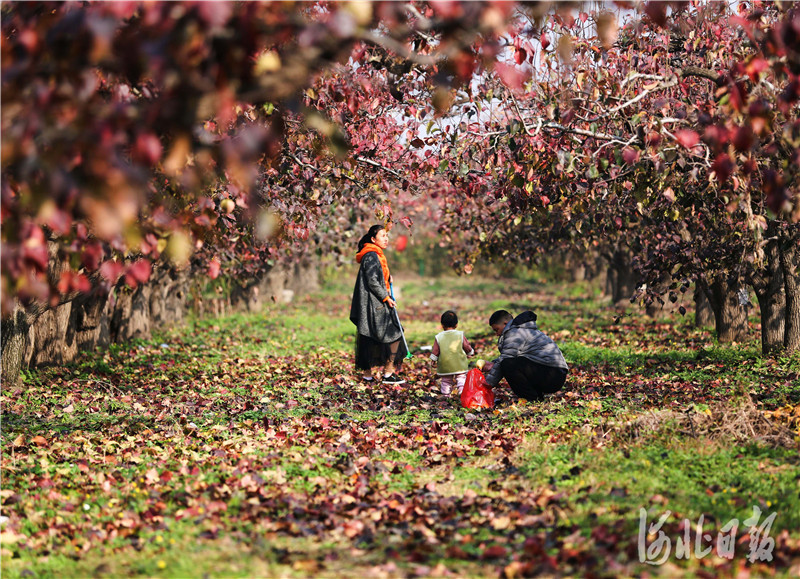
599, 276
53, 337
168, 297
305, 276
771, 296
610, 282
655, 293
730, 317
13, 333
17, 328
623, 278
93, 313
790, 266
703, 313
578, 272
275, 285
131, 315
58, 334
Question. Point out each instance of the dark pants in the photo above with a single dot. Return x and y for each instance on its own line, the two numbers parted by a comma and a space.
530, 380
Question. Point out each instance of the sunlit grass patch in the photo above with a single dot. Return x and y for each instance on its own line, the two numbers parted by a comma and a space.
249, 443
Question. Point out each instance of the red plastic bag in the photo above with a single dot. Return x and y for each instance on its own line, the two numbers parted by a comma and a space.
476, 392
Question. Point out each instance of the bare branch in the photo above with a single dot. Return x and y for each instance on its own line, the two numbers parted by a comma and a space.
376, 164
392, 172
640, 96
389, 43
702, 73
594, 135
302, 164
519, 113
422, 20
634, 76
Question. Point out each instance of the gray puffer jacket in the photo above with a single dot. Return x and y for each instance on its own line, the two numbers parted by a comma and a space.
522, 338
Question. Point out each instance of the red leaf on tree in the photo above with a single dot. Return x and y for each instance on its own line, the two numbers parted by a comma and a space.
775, 190
81, 283
755, 67
36, 257
92, 254
545, 42
138, 272
447, 9
759, 112
203, 220
511, 76
464, 64
716, 136
56, 219
71, 281
630, 155
147, 149
213, 268
687, 138
401, 243
652, 139
723, 167
111, 270
738, 95
743, 138
657, 11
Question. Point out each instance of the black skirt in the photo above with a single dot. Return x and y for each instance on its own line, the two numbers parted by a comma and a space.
371, 353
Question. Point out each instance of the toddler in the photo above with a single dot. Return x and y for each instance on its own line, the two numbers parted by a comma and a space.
450, 351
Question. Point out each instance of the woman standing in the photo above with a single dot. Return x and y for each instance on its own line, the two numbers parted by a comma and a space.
379, 346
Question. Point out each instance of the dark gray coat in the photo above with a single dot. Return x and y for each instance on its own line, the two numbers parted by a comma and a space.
371, 316
522, 338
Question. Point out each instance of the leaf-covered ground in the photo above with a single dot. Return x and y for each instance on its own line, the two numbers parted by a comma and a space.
246, 446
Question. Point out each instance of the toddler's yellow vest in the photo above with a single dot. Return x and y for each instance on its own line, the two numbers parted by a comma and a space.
452, 359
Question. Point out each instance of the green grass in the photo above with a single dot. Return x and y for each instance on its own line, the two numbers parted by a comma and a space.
723, 483
246, 446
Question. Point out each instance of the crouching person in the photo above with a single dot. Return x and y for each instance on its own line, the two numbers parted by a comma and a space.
529, 360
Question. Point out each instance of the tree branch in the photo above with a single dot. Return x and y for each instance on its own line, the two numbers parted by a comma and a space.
392, 172
594, 135
302, 164
389, 43
702, 73
376, 164
519, 113
639, 97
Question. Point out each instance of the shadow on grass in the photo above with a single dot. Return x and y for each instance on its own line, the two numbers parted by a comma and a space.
14, 424
623, 358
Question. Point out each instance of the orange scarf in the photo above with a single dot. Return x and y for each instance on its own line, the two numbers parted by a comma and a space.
368, 247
